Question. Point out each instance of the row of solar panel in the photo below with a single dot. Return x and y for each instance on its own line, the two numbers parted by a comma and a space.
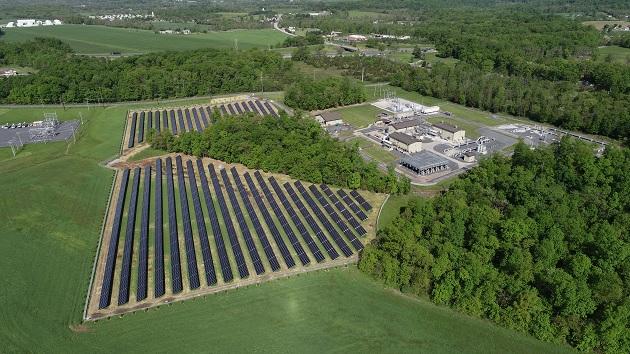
202, 232
188, 119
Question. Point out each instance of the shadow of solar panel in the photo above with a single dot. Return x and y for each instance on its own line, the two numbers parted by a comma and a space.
176, 271
132, 130
125, 271
249, 242
206, 253
158, 257
229, 226
310, 243
322, 218
191, 257
110, 263
286, 255
283, 221
226, 269
143, 257
262, 236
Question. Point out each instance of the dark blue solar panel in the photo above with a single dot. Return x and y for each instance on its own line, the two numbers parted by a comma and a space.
231, 109
204, 117
173, 123
132, 130
180, 120
206, 253
188, 120
270, 109
246, 108
332, 252
226, 269
361, 200
261, 108
333, 215
322, 218
191, 257
353, 206
247, 236
253, 107
110, 263
286, 255
296, 220
223, 111
176, 271
345, 212
283, 221
159, 232
143, 258
271, 256
125, 271
150, 121
157, 120
227, 220
141, 128
196, 119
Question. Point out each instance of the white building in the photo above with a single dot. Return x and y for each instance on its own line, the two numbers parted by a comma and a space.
327, 119
405, 143
33, 23
450, 132
356, 38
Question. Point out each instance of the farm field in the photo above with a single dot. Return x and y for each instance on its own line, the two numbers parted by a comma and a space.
359, 116
55, 205
104, 40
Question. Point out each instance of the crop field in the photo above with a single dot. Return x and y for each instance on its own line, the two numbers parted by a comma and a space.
105, 40
178, 222
54, 201
184, 119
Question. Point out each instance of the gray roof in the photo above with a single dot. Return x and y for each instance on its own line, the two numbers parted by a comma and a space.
424, 159
330, 116
447, 127
403, 138
406, 124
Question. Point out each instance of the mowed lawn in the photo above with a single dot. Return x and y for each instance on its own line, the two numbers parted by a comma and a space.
618, 54
359, 116
104, 40
53, 201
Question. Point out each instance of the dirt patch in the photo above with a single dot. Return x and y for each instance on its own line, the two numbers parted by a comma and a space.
80, 328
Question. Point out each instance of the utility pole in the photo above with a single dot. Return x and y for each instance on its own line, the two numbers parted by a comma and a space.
362, 74
262, 87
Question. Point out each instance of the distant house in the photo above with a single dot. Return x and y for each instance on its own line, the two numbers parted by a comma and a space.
327, 119
450, 132
405, 143
7, 72
469, 157
356, 38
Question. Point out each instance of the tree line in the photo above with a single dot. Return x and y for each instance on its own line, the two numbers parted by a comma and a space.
292, 145
538, 243
334, 91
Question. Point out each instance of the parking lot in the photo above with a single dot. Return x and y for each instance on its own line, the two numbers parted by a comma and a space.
22, 136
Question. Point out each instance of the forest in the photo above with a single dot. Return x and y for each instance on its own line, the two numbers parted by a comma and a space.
292, 145
63, 77
330, 92
538, 243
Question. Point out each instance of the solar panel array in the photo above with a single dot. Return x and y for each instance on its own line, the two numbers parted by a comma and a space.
188, 119
353, 206
295, 231
346, 214
364, 204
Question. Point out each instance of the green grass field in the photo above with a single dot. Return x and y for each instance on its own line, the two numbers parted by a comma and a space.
52, 207
103, 40
374, 151
359, 116
618, 54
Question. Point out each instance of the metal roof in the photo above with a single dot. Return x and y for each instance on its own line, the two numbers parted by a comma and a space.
330, 116
403, 138
423, 160
447, 127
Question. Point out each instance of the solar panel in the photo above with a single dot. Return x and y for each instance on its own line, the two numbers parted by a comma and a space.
286, 255
191, 257
322, 218
270, 109
188, 120
253, 107
231, 109
333, 215
223, 110
110, 263
361, 200
283, 221
125, 271
353, 206
173, 123
150, 121
237, 106
165, 119
249, 242
226, 269
143, 261
176, 271
261, 108
204, 118
132, 130
310, 243
158, 258
345, 212
245, 107
196, 119
157, 121
141, 128
227, 220
206, 253
180, 120
271, 256
210, 113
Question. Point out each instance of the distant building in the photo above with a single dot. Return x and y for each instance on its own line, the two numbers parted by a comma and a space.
430, 109
406, 126
33, 23
450, 132
356, 38
425, 163
405, 143
7, 72
327, 119
469, 157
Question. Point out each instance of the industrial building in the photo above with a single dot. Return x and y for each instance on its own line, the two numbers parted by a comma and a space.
425, 163
405, 143
450, 132
327, 119
406, 126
